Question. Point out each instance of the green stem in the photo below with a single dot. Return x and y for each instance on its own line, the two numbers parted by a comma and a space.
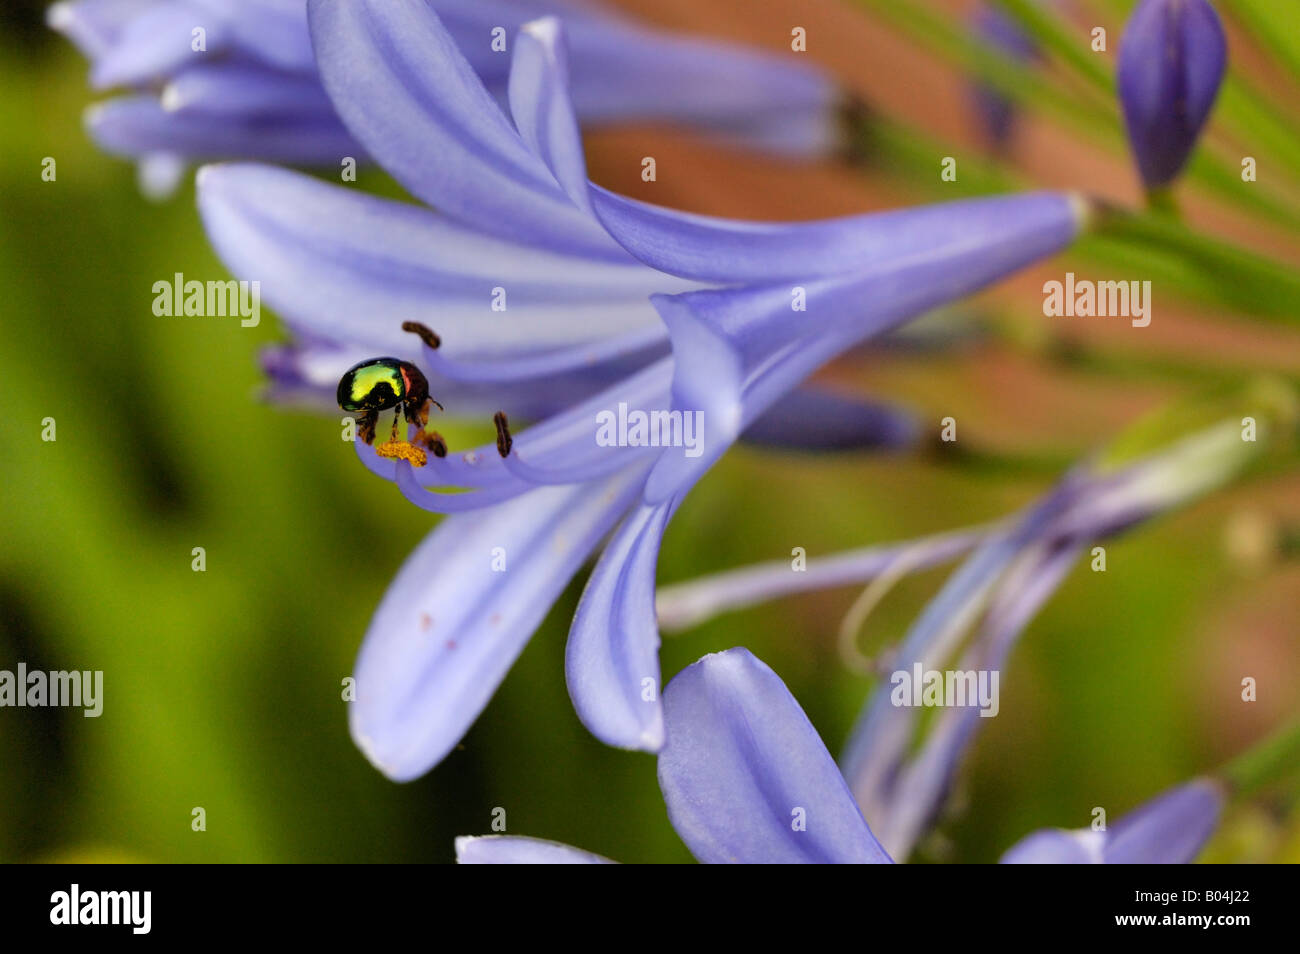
1257, 284
1163, 203
1277, 757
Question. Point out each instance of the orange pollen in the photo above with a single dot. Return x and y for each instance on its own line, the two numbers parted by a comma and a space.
402, 450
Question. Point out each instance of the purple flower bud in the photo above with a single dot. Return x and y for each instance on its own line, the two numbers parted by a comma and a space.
996, 112
1171, 62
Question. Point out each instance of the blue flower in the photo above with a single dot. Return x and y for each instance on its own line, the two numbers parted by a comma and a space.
1171, 62
744, 774
683, 314
746, 779
1015, 568
996, 111
1170, 829
248, 87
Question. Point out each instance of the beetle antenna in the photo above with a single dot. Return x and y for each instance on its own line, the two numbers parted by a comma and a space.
425, 333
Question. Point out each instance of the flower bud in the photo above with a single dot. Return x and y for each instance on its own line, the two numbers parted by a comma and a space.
1171, 63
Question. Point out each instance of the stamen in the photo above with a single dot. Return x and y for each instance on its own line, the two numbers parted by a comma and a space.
433, 440
403, 450
426, 335
504, 440
854, 658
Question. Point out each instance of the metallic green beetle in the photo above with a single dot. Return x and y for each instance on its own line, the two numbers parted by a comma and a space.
382, 383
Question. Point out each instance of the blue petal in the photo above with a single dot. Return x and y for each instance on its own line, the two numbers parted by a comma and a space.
517, 850
725, 250
917, 791
540, 105
94, 25
882, 737
1056, 846
138, 125
273, 31
813, 418
156, 42
235, 88
611, 661
449, 627
404, 89
741, 350
353, 267
743, 767
1171, 829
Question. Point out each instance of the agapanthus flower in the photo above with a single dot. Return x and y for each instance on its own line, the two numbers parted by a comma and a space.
1015, 568
745, 776
719, 338
747, 779
1171, 63
248, 87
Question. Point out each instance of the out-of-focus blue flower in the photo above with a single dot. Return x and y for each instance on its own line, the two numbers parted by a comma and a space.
517, 214
252, 90
996, 111
747, 779
1171, 62
745, 776
1014, 570
1170, 829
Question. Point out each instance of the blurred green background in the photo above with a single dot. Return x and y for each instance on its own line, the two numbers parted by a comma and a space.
223, 688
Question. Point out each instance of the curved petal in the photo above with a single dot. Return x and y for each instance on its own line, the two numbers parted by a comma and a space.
449, 627
1057, 846
353, 267
611, 660
746, 777
543, 113
877, 749
517, 850
94, 26
157, 41
138, 126
739, 351
917, 792
708, 375
273, 31
232, 88
726, 250
405, 90
1171, 829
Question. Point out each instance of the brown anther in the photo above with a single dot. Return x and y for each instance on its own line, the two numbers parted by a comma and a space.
504, 440
433, 440
425, 332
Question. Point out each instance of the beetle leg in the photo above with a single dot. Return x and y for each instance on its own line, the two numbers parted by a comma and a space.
366, 426
396, 416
